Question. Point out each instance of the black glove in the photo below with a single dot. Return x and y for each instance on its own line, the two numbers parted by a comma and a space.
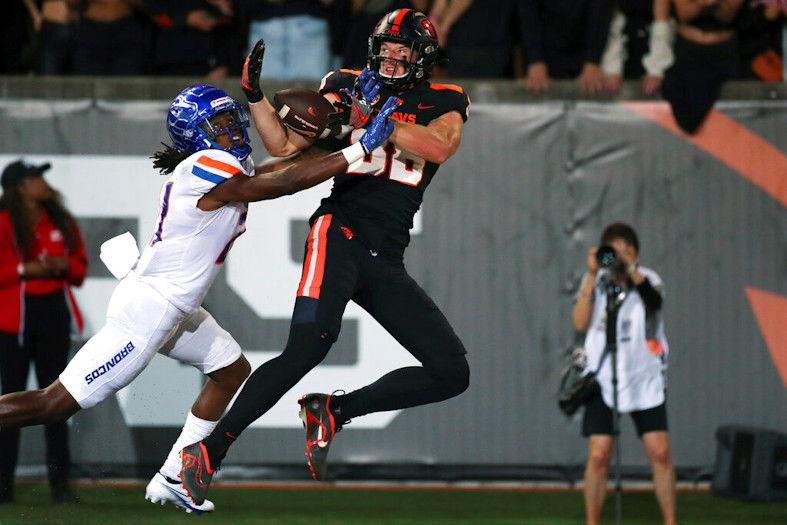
250, 79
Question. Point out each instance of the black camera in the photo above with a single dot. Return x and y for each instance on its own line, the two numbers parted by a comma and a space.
607, 257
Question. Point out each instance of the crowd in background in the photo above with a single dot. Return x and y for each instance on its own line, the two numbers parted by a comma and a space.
596, 42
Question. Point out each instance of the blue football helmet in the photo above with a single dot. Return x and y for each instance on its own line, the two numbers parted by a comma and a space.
189, 120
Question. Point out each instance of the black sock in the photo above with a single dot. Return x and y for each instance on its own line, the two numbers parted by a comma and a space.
217, 444
336, 411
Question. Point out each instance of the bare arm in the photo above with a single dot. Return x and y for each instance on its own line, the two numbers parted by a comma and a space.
277, 139
583, 308
661, 10
455, 9
436, 142
35, 14
286, 181
445, 14
302, 175
276, 164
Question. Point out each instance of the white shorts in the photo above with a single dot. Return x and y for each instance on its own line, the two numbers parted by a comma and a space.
139, 324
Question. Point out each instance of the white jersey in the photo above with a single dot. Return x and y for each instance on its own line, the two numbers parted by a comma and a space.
640, 373
189, 244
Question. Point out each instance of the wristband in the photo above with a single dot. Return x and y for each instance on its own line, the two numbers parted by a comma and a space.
354, 153
20, 269
632, 268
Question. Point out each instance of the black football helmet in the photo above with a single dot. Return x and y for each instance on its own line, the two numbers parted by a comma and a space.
411, 28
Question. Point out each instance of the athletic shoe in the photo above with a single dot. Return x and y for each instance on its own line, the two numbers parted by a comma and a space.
321, 427
163, 489
196, 473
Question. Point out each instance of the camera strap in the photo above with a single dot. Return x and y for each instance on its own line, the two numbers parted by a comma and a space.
601, 361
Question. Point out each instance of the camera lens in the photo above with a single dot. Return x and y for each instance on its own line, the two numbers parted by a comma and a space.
606, 256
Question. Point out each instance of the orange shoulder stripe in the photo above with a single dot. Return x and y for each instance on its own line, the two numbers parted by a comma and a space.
217, 164
453, 87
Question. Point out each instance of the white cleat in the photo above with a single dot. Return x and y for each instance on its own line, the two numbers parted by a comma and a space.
162, 489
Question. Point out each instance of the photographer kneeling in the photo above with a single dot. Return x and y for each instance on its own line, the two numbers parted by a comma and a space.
640, 356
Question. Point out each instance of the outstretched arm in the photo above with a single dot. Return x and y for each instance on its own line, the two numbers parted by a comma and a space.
286, 181
277, 139
300, 175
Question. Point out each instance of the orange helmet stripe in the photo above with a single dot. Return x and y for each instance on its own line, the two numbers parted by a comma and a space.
398, 20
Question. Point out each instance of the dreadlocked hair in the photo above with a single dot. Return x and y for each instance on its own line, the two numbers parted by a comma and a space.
165, 161
24, 229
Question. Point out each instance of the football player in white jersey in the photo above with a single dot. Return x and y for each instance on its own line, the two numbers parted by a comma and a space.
156, 306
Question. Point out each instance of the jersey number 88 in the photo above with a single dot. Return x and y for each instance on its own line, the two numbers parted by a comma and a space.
398, 165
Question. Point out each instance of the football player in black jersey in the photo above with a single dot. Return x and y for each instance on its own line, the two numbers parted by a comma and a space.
355, 250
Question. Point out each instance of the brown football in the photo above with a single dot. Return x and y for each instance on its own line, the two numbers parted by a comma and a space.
304, 111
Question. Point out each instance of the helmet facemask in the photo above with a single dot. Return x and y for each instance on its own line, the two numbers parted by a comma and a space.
193, 123
413, 30
414, 70
232, 122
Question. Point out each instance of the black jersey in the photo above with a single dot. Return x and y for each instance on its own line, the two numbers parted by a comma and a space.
380, 194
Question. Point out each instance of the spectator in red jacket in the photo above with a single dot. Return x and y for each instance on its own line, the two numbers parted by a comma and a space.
41, 256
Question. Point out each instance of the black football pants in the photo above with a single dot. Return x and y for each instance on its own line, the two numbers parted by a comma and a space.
337, 268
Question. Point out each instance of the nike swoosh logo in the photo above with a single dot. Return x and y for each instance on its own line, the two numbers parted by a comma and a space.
421, 106
184, 502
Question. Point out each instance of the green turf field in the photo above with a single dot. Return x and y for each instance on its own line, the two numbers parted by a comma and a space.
115, 505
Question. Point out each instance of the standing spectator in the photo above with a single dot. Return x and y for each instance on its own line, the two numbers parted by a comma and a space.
41, 257
110, 38
194, 37
296, 33
641, 356
476, 35
564, 39
639, 44
54, 23
707, 53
